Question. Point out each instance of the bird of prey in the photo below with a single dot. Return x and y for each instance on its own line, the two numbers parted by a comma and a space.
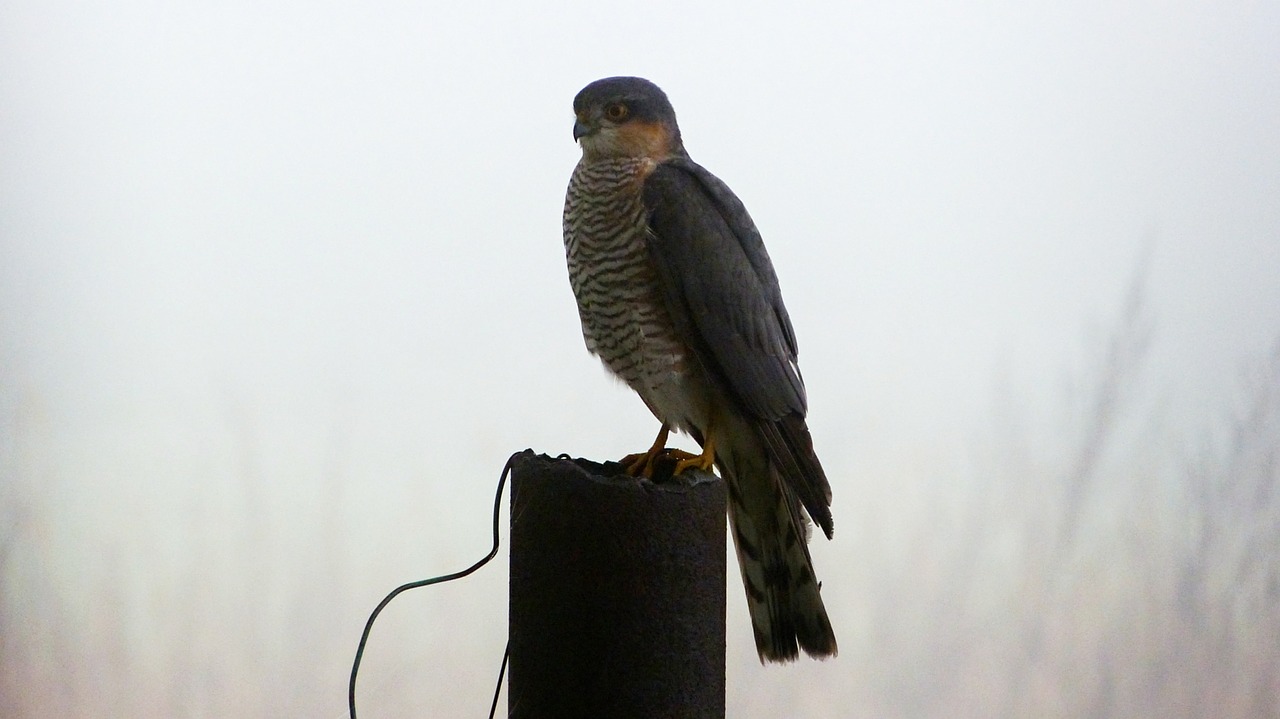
679, 299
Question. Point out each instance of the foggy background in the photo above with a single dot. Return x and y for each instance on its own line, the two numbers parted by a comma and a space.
282, 286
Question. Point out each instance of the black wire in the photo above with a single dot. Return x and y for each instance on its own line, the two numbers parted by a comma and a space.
493, 708
364, 636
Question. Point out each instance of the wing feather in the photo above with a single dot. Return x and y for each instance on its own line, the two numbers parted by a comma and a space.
722, 294
721, 286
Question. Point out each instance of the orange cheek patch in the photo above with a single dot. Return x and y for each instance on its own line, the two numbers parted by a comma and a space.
645, 139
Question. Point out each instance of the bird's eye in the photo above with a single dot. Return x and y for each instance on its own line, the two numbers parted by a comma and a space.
616, 112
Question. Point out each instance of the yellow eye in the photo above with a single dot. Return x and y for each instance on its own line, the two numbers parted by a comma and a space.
616, 112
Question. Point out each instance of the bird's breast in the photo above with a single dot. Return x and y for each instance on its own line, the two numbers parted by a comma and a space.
624, 319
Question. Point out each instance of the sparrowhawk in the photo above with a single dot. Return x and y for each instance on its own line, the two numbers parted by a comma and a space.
679, 299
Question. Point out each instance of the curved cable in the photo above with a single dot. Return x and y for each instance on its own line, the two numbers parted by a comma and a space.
368, 626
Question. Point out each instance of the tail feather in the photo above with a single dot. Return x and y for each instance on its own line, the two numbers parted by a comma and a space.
791, 449
768, 524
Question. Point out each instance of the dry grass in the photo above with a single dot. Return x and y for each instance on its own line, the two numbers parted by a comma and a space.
1122, 576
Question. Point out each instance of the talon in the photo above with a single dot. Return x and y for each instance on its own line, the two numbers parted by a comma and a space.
641, 465
635, 464
704, 461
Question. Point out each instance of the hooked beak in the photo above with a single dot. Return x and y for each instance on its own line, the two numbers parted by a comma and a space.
580, 129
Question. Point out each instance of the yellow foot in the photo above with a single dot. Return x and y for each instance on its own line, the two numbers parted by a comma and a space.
641, 465
704, 461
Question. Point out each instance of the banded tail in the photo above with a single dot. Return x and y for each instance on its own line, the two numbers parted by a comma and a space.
770, 534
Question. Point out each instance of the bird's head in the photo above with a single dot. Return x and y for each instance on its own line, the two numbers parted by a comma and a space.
625, 117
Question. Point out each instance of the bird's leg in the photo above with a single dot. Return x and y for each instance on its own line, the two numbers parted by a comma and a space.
641, 465
704, 461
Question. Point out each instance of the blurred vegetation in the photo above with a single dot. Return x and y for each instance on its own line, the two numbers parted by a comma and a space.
1113, 572
1125, 576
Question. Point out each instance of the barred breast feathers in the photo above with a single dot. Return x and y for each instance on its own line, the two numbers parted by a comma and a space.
605, 226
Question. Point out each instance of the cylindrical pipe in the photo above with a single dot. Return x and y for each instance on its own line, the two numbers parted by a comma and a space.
617, 593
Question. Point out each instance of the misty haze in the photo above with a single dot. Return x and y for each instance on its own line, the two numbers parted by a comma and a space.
282, 286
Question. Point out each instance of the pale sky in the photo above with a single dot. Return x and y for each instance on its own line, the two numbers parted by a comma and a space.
275, 248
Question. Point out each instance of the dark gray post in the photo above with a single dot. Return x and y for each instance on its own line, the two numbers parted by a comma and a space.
617, 593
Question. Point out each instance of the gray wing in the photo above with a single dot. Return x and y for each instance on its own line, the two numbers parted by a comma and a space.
723, 296
721, 287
